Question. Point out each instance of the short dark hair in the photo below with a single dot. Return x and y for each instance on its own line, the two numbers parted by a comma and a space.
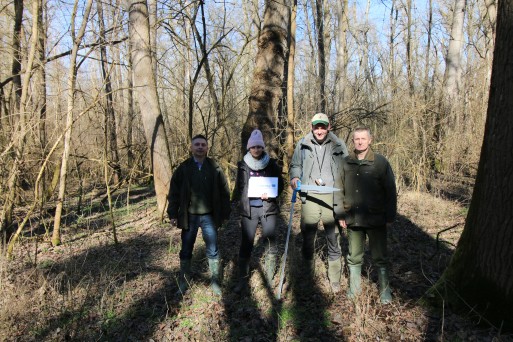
199, 136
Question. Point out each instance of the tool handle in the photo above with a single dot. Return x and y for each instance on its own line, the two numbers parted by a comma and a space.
295, 191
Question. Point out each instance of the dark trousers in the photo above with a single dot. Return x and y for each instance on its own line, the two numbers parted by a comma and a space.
319, 207
249, 227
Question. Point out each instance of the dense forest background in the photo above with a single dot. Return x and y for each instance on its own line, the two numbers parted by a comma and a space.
387, 64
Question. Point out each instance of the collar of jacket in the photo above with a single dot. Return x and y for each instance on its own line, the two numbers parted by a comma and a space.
208, 160
369, 158
337, 143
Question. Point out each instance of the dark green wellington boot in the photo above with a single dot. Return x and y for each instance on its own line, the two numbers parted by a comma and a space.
215, 279
355, 281
334, 273
185, 276
385, 296
243, 283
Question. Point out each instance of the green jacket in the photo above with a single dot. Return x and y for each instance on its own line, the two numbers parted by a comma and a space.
303, 161
179, 194
370, 198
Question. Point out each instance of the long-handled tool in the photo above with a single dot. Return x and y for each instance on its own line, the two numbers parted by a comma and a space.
284, 261
318, 189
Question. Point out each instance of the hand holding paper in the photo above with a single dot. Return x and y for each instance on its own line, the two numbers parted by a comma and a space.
259, 186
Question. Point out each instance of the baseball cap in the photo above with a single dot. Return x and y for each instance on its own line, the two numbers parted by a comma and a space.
320, 118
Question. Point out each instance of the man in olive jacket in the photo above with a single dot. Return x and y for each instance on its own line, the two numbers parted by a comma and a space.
198, 197
370, 205
317, 160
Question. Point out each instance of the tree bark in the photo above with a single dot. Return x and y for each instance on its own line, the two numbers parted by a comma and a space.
343, 27
268, 76
110, 115
289, 128
146, 90
480, 272
452, 76
321, 55
6, 221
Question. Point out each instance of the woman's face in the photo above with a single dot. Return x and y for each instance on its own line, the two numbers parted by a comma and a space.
256, 151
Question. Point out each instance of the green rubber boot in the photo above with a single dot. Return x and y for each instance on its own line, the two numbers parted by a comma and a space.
385, 295
355, 281
270, 268
215, 279
185, 276
243, 283
334, 273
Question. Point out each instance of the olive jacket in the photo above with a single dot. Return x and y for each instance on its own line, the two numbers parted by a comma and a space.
370, 198
180, 194
303, 161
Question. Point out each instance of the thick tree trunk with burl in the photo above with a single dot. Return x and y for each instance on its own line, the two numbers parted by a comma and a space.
266, 90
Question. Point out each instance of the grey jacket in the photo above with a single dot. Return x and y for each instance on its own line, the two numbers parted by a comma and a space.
303, 161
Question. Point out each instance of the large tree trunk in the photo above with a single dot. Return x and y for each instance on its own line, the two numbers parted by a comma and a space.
146, 91
72, 80
480, 272
268, 76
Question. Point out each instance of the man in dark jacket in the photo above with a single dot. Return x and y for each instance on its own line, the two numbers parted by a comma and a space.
370, 205
316, 161
198, 197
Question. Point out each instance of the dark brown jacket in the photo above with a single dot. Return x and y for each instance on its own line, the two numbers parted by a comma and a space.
180, 194
370, 198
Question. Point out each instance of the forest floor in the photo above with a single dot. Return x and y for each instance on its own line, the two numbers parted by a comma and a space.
91, 289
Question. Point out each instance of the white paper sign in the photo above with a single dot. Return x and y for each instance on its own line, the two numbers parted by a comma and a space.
261, 185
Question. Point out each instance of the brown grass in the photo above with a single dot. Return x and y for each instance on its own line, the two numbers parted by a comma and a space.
89, 289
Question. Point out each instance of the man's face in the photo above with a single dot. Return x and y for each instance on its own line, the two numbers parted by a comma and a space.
199, 148
320, 131
361, 141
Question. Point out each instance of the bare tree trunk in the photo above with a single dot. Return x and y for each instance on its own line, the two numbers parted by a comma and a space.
6, 222
428, 52
343, 27
40, 76
146, 90
152, 11
289, 129
319, 23
409, 62
268, 76
110, 116
130, 109
453, 69
391, 48
72, 76
479, 277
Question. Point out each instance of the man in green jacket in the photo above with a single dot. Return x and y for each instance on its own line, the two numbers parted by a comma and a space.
198, 197
370, 205
316, 161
